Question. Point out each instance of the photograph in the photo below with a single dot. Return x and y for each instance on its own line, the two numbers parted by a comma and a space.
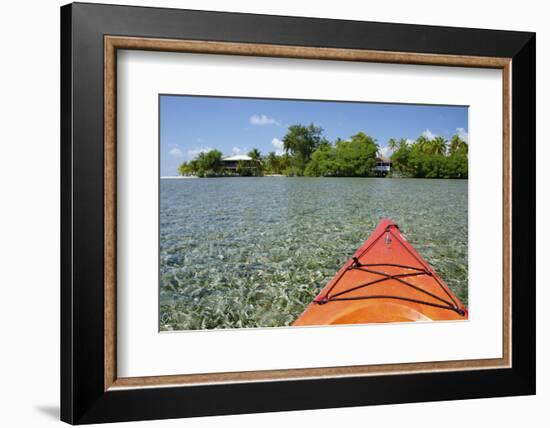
290, 212
263, 211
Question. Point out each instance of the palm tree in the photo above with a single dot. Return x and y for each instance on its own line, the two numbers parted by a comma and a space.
423, 144
439, 146
301, 141
403, 143
457, 144
392, 144
272, 163
256, 157
271, 157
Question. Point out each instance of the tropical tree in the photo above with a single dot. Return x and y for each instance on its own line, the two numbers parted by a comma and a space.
393, 144
255, 155
284, 161
434, 158
301, 141
323, 162
438, 146
210, 161
256, 160
400, 159
187, 168
359, 155
457, 144
194, 165
324, 144
244, 169
206, 163
422, 144
272, 163
402, 143
353, 158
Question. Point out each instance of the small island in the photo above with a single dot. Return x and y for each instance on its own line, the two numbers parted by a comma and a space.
308, 153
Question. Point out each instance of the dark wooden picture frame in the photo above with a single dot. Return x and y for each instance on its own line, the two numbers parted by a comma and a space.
90, 389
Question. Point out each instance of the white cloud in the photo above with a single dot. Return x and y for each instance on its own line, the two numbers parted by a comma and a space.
238, 151
193, 153
262, 119
462, 134
279, 146
410, 141
385, 151
277, 143
429, 134
176, 152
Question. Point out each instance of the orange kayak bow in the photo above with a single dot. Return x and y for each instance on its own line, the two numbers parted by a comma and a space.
385, 281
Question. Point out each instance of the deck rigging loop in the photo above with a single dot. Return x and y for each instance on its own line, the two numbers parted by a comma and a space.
407, 271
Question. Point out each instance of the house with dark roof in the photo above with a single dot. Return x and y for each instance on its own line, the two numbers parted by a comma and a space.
383, 165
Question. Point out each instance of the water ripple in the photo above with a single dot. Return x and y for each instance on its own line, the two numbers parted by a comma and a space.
254, 252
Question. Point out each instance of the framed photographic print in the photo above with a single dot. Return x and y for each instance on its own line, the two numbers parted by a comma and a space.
265, 213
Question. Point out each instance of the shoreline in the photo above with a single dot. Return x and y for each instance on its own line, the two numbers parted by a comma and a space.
180, 177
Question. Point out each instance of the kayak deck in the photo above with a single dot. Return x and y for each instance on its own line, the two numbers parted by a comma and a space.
386, 280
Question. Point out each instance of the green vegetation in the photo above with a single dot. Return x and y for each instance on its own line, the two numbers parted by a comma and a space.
308, 153
435, 158
300, 142
274, 164
354, 158
206, 164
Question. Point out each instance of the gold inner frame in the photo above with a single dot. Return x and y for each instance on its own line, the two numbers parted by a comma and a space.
113, 43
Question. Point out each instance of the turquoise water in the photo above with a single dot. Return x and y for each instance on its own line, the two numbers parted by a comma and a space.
254, 252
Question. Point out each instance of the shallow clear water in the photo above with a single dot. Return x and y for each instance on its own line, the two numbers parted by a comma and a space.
254, 252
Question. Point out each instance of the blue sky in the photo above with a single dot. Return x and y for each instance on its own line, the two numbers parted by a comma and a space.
191, 124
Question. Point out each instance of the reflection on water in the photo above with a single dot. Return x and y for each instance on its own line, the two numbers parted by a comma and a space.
254, 252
